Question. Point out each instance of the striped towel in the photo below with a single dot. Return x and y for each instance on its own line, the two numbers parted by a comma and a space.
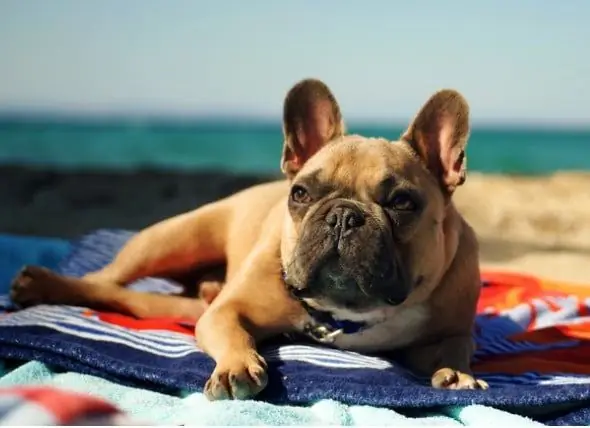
531, 337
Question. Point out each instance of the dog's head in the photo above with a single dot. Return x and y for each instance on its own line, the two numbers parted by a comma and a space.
366, 216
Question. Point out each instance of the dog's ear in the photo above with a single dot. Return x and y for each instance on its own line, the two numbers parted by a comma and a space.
311, 118
439, 135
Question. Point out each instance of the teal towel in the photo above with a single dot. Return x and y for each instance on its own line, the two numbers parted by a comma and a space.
195, 409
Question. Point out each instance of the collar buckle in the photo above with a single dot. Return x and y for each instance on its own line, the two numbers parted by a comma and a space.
322, 333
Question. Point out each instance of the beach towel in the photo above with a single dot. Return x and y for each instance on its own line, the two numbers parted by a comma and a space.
43, 406
194, 409
531, 337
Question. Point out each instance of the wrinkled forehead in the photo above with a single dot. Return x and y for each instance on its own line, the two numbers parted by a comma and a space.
357, 162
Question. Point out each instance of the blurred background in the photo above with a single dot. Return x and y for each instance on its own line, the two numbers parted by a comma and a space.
120, 113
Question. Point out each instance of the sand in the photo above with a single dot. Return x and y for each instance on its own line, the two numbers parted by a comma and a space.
538, 225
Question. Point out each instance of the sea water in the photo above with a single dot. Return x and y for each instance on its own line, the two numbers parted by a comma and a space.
254, 146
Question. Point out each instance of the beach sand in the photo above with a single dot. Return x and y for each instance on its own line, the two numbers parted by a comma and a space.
538, 225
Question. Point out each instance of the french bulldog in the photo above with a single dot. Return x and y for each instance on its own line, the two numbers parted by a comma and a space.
360, 247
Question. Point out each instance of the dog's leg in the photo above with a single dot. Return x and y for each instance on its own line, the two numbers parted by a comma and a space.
41, 286
448, 362
171, 246
250, 308
174, 245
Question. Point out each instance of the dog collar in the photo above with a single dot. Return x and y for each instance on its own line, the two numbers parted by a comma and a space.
324, 327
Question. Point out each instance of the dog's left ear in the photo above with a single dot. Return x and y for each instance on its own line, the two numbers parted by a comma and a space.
311, 119
439, 135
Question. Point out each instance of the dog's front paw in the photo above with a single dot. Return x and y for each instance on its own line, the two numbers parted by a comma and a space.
452, 379
31, 286
237, 377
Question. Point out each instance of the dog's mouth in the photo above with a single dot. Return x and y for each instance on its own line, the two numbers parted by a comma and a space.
333, 286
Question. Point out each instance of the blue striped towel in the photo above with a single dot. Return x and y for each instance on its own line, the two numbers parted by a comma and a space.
167, 360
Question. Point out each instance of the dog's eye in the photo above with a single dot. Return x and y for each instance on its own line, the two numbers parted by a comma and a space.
300, 195
402, 201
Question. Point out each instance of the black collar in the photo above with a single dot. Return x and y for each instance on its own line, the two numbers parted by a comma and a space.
324, 328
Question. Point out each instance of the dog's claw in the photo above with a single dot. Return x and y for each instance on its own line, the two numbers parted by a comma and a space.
35, 285
447, 378
237, 380
28, 288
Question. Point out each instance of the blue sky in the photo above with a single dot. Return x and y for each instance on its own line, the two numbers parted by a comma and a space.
513, 60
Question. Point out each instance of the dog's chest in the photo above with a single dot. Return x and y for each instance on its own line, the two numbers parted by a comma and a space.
388, 330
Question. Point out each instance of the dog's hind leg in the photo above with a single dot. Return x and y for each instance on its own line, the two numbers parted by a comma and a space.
37, 285
173, 246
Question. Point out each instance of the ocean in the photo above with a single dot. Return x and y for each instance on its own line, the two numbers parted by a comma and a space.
254, 147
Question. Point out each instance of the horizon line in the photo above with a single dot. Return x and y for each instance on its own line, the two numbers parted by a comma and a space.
187, 119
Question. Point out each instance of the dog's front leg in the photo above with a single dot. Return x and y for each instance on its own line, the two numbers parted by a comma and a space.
253, 306
230, 339
447, 361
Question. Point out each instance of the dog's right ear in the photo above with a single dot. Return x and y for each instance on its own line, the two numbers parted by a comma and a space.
311, 118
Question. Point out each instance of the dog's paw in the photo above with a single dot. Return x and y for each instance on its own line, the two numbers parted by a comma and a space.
35, 285
452, 379
237, 378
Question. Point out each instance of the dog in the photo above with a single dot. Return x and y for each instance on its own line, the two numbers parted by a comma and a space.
360, 247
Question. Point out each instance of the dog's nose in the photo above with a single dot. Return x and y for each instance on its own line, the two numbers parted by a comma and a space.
345, 218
